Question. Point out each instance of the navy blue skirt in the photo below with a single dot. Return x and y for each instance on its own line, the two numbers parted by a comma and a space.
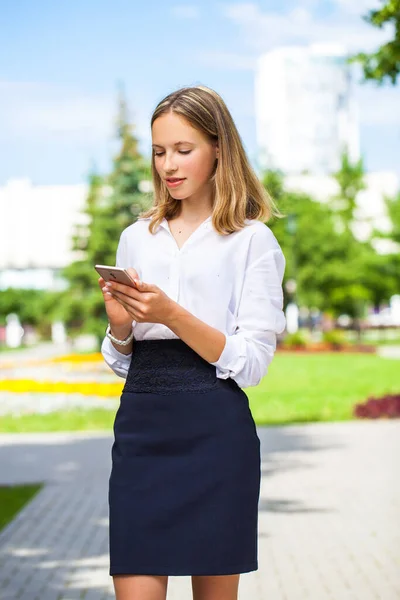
185, 479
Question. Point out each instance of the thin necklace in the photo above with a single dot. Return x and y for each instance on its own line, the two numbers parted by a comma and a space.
179, 231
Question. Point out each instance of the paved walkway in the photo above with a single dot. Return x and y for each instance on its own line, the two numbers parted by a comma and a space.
329, 516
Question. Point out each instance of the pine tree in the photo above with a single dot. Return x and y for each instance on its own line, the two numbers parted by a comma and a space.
113, 203
350, 179
126, 200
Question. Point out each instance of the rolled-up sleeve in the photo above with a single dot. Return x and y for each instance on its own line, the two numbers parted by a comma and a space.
118, 362
260, 317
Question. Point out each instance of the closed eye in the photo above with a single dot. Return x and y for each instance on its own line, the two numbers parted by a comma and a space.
180, 152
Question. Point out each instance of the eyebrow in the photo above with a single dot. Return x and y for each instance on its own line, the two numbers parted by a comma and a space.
176, 144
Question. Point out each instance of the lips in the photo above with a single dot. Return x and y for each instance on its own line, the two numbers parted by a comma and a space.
174, 182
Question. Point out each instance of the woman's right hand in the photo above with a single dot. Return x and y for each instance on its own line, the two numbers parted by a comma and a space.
116, 313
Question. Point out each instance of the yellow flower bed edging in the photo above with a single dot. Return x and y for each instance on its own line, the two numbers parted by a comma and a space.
52, 387
92, 357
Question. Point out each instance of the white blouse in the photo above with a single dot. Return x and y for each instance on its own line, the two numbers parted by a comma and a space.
231, 282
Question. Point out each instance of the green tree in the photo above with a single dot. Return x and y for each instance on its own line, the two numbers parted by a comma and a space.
34, 307
350, 179
130, 168
112, 204
272, 180
334, 271
385, 62
389, 267
393, 209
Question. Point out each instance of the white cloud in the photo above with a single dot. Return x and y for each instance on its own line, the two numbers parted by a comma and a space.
264, 30
186, 11
29, 109
356, 7
261, 31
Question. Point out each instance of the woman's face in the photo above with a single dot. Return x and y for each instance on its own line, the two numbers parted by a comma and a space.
184, 153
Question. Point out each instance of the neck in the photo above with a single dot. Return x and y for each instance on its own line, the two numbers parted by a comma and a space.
194, 210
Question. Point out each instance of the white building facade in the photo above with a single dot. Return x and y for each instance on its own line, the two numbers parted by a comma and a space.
306, 113
37, 223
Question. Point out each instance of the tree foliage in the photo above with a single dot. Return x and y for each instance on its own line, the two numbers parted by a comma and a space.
393, 208
384, 64
350, 178
389, 267
112, 204
333, 270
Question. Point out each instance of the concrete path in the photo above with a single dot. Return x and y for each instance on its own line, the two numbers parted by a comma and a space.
329, 516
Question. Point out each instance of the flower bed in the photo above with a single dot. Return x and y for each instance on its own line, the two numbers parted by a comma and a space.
327, 347
78, 358
51, 387
387, 406
332, 341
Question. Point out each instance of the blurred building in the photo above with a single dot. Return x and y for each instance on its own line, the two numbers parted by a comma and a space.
37, 224
305, 109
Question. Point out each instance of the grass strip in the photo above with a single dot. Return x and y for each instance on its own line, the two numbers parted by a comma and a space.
13, 498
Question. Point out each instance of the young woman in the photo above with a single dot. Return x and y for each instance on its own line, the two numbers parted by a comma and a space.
200, 325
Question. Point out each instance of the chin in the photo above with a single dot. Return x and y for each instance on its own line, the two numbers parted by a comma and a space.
176, 195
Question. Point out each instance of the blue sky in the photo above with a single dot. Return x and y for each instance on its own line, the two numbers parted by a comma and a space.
60, 64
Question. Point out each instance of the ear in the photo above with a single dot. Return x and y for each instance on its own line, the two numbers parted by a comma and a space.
216, 150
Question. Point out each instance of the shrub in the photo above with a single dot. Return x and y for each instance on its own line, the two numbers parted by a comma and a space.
374, 408
295, 340
335, 337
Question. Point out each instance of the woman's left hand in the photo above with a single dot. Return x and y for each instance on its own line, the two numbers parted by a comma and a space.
146, 304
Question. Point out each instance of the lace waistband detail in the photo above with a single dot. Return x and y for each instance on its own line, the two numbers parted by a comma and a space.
167, 367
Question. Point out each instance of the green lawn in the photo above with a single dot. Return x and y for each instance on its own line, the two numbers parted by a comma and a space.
320, 387
68, 420
13, 498
298, 388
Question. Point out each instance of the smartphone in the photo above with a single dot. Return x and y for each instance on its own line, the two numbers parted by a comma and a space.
115, 274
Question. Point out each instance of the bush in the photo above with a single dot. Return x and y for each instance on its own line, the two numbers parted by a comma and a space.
335, 337
374, 408
295, 340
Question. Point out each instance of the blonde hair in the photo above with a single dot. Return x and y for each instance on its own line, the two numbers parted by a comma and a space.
238, 194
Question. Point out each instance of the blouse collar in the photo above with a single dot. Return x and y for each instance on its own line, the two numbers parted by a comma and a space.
164, 222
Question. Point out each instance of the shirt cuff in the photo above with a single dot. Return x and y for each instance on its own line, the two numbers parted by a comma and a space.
116, 360
233, 357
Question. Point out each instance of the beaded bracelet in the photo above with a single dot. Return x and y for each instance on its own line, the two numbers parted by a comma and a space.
124, 342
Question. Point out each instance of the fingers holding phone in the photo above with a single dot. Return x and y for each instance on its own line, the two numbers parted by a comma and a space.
118, 274
117, 314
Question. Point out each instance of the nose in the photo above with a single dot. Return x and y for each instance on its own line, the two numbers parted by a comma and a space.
169, 165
